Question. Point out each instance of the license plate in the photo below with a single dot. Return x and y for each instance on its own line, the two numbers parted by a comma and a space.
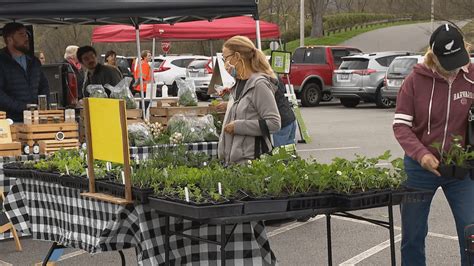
343, 77
193, 74
395, 82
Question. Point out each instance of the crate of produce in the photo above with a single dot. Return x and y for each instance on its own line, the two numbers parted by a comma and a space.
31, 134
51, 146
3, 115
163, 114
134, 116
10, 149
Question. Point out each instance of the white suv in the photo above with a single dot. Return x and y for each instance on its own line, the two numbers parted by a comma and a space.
171, 67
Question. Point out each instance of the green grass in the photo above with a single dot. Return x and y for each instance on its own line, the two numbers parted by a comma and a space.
337, 38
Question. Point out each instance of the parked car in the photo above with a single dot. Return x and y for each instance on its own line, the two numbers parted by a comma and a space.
360, 77
398, 70
200, 72
172, 67
312, 70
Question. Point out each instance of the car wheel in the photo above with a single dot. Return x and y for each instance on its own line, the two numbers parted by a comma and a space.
382, 102
350, 102
174, 89
311, 95
326, 97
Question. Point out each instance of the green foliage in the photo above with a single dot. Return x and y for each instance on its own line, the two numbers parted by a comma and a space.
188, 98
457, 154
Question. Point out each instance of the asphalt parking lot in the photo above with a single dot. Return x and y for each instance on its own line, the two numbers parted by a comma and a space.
336, 131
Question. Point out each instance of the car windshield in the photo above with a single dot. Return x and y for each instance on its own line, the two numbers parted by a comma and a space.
402, 66
354, 63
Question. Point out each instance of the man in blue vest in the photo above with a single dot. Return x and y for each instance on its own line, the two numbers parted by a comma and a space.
21, 78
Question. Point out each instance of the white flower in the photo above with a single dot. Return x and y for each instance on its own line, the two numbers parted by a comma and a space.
339, 172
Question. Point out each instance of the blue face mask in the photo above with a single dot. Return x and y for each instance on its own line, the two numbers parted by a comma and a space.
232, 71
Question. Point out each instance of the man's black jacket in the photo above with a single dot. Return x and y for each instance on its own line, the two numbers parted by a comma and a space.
19, 87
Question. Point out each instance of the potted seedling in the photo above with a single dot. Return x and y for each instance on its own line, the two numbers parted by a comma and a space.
456, 162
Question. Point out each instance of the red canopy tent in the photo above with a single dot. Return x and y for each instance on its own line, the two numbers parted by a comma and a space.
223, 28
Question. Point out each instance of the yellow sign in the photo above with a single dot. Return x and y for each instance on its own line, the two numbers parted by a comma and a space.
5, 133
106, 130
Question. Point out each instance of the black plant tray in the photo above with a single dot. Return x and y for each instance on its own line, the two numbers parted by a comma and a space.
446, 171
47, 176
363, 200
315, 201
17, 172
460, 172
202, 212
118, 190
75, 182
410, 195
256, 205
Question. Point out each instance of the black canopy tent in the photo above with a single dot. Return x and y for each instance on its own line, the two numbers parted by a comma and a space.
98, 12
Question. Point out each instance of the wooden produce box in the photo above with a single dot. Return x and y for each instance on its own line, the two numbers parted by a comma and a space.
3, 115
134, 116
51, 115
29, 134
10, 149
14, 132
163, 114
220, 114
50, 146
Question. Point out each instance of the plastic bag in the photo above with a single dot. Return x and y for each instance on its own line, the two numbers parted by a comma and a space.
96, 91
122, 91
139, 135
186, 93
193, 128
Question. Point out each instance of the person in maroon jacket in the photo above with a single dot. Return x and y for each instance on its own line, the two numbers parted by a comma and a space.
432, 107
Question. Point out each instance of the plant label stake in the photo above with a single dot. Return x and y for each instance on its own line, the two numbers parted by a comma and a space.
108, 165
186, 194
67, 170
123, 177
137, 160
219, 186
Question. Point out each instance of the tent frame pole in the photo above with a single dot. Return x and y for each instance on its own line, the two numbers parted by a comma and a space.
140, 70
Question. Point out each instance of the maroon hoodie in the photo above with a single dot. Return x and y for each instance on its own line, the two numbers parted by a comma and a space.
431, 110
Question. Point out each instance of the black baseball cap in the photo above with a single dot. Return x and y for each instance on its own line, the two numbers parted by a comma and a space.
447, 43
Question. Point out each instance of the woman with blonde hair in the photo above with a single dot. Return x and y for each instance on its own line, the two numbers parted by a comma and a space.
253, 115
432, 107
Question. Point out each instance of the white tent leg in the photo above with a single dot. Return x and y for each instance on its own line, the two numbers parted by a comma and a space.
259, 40
140, 70
153, 89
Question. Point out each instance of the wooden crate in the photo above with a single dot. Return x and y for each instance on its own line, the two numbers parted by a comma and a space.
29, 134
163, 114
50, 146
3, 115
10, 149
161, 102
51, 115
14, 132
134, 116
220, 114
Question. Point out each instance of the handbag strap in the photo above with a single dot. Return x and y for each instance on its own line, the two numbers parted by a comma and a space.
470, 127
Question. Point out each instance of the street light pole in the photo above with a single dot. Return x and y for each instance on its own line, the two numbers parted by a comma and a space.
301, 22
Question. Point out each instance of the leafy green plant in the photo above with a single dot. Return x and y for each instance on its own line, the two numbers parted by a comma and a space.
457, 154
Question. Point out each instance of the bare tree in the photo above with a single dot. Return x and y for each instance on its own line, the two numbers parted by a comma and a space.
317, 7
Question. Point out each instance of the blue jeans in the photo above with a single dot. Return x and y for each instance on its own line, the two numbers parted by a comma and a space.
285, 136
460, 196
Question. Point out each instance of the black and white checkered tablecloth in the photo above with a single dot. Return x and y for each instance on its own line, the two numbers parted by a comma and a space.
56, 213
142, 153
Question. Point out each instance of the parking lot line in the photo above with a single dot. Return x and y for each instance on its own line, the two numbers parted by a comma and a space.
370, 252
292, 226
72, 255
330, 149
3, 263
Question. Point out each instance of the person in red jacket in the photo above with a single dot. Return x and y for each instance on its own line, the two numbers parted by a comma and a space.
432, 107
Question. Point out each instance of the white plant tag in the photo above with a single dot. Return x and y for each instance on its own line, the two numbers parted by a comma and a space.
186, 194
219, 186
67, 170
123, 177
108, 165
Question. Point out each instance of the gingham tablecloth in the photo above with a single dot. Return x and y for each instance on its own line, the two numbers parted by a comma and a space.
210, 148
56, 213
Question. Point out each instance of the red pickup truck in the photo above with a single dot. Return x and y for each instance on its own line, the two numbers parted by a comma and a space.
312, 69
